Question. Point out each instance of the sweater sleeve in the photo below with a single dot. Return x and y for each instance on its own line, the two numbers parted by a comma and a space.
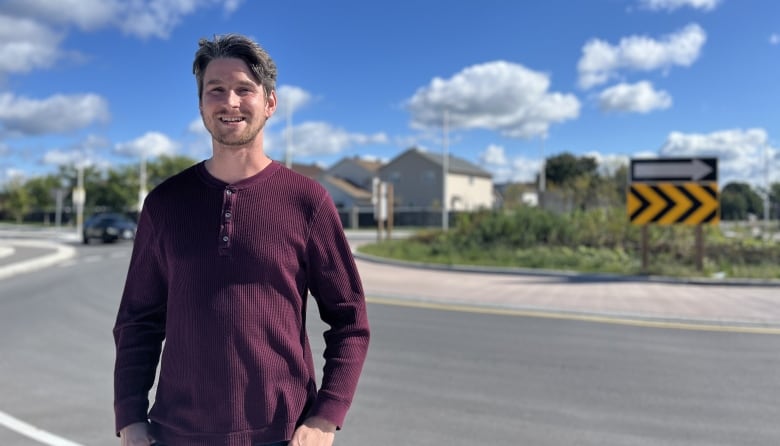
140, 328
335, 284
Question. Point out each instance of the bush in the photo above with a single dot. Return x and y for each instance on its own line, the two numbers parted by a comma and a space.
600, 240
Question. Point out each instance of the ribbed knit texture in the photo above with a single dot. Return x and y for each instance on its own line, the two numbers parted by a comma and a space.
221, 273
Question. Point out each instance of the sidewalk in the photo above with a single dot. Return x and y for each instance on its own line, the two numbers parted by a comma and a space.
711, 302
724, 303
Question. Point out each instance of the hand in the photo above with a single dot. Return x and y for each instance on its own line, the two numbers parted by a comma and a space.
315, 431
136, 434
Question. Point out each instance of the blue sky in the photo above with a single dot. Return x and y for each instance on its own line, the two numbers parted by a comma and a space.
103, 82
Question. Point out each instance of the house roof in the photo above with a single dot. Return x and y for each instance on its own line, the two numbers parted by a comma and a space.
368, 165
312, 171
371, 166
347, 187
456, 165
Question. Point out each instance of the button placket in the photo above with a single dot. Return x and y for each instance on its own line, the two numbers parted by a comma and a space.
226, 226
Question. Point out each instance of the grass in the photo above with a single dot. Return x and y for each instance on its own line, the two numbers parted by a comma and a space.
735, 262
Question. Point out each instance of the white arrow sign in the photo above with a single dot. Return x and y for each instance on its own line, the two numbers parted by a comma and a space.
687, 170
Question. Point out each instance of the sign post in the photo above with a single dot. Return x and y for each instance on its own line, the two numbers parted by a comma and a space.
669, 191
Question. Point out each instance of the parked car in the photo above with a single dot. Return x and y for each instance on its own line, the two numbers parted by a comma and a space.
109, 228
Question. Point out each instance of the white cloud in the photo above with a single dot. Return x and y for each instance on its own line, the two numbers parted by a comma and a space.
11, 174
196, 127
742, 154
83, 153
519, 169
493, 156
140, 18
56, 114
26, 45
774, 39
86, 14
499, 95
608, 164
601, 61
671, 5
150, 145
320, 138
524, 170
292, 98
59, 157
638, 98
158, 18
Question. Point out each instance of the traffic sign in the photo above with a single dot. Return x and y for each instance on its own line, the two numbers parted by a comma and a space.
672, 203
674, 169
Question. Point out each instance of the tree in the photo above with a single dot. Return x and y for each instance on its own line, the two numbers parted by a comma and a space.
42, 191
774, 200
564, 169
737, 200
165, 167
18, 201
115, 190
576, 180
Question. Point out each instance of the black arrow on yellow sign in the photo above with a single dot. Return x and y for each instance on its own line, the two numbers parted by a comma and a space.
673, 203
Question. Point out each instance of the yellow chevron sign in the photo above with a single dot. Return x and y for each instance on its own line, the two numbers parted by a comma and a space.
673, 203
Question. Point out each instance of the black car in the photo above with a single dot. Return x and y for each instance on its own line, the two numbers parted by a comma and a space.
109, 228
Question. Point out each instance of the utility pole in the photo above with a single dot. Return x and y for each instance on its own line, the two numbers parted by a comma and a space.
445, 170
543, 171
142, 190
767, 201
288, 150
79, 197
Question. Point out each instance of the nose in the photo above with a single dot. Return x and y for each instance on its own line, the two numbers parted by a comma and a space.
233, 99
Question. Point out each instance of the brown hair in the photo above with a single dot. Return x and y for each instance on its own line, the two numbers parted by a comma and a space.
235, 46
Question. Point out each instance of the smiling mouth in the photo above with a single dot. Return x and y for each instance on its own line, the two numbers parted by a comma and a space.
232, 120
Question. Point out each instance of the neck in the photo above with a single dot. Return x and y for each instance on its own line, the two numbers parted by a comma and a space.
231, 164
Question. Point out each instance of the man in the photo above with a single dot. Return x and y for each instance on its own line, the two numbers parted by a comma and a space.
224, 258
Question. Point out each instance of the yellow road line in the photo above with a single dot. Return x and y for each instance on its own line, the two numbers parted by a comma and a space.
615, 320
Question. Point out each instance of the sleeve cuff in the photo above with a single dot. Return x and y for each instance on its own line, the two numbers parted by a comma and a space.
330, 409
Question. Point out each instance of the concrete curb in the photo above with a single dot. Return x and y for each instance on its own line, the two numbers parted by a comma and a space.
572, 276
61, 253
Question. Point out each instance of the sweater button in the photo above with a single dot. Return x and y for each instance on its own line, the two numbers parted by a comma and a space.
225, 239
228, 214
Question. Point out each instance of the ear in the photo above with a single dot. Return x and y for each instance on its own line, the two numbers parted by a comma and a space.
270, 104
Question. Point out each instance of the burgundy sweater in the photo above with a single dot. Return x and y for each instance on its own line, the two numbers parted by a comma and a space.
221, 273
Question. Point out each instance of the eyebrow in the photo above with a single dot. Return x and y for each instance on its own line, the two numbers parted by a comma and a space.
243, 83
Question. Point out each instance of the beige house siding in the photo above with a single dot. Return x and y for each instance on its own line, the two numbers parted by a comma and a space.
417, 182
469, 193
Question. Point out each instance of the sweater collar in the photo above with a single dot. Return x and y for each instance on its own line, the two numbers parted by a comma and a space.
241, 184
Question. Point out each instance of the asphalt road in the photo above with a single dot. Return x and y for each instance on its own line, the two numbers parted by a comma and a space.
433, 377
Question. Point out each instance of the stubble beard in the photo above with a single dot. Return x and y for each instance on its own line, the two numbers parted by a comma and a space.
232, 139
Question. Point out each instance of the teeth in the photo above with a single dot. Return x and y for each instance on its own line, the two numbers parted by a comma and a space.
232, 119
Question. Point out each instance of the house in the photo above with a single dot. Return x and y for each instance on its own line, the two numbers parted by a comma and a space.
345, 194
358, 171
312, 171
416, 176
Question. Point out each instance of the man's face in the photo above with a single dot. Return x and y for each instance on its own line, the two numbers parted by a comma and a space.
234, 107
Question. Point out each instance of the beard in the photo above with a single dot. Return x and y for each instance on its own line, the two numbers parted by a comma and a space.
233, 137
